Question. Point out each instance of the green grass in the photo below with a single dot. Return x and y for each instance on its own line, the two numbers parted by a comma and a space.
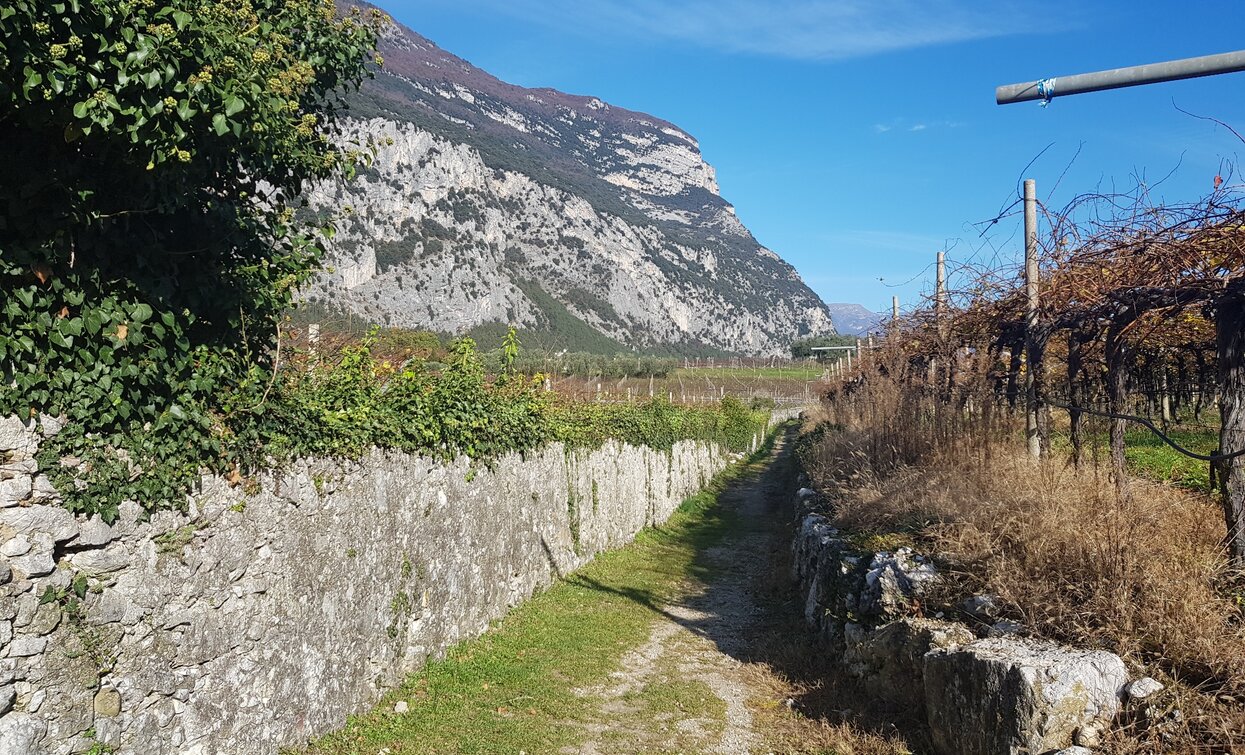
509, 690
1150, 457
1153, 458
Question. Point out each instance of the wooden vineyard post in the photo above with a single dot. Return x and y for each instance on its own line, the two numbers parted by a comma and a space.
1077, 341
1117, 397
1230, 335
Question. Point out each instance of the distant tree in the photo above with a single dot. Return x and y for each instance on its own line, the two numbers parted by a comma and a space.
803, 348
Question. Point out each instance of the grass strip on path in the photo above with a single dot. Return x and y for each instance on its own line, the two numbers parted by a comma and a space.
510, 690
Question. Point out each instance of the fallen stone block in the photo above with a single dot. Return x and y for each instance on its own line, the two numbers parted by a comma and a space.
1007, 696
1143, 688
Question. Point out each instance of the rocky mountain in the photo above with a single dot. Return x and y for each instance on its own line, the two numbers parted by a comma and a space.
492, 203
854, 319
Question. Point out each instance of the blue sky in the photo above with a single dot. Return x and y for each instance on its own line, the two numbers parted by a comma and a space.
856, 138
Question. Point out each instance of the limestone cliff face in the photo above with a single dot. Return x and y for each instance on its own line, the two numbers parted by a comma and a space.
493, 203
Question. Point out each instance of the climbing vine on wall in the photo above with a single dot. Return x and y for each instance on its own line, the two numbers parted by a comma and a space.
153, 151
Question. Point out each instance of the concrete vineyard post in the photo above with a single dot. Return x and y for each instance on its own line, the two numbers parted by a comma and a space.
1032, 358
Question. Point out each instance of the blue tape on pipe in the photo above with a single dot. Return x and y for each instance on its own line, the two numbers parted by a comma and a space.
1046, 90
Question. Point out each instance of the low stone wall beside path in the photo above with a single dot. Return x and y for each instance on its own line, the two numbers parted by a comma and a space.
260, 619
982, 689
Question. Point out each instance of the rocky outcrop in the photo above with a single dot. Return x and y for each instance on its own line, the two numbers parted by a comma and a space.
266, 614
489, 202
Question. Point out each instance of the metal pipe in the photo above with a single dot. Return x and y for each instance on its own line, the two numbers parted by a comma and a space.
1152, 73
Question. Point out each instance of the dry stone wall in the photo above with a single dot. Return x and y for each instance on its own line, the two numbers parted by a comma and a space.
267, 613
983, 690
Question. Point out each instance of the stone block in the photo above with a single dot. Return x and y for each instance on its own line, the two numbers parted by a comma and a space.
15, 490
25, 646
93, 532
47, 618
108, 703
20, 734
893, 583
51, 520
27, 604
102, 561
37, 562
26, 467
44, 491
49, 425
17, 438
18, 545
889, 661
1005, 696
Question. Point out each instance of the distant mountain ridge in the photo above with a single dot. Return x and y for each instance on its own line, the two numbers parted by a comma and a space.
492, 203
855, 319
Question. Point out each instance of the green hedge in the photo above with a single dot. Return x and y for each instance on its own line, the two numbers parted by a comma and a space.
342, 404
658, 423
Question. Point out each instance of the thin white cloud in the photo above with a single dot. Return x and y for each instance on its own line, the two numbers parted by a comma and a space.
903, 124
800, 29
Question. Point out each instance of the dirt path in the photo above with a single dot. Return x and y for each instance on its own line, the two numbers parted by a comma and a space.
698, 643
690, 640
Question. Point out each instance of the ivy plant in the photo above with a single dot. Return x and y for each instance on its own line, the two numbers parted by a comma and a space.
154, 152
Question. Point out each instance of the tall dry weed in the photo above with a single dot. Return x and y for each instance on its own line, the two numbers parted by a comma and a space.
1146, 576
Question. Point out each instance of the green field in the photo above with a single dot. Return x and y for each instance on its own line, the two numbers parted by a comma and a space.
804, 372
1153, 458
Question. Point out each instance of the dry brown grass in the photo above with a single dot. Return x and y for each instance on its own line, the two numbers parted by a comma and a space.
802, 701
807, 705
1145, 577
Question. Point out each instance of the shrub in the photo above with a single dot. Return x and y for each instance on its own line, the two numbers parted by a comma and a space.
148, 245
656, 423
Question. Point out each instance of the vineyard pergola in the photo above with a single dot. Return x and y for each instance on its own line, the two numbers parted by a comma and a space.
1124, 305
1151, 273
